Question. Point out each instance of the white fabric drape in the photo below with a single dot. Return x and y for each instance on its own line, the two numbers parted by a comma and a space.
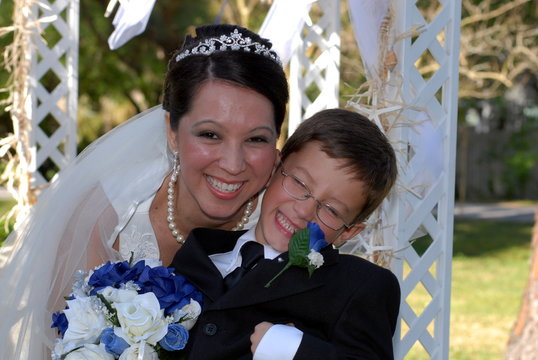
130, 20
366, 18
283, 22
74, 223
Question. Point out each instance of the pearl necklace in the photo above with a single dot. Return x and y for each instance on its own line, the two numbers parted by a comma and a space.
170, 218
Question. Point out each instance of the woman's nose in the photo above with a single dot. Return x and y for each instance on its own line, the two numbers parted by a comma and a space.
232, 159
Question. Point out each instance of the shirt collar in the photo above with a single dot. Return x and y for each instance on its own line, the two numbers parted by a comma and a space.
250, 235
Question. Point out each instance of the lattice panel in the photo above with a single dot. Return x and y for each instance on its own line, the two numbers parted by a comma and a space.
314, 68
423, 212
54, 88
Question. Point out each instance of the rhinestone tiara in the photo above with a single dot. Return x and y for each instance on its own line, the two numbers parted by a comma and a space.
234, 42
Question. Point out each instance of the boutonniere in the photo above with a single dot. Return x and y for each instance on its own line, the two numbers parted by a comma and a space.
303, 250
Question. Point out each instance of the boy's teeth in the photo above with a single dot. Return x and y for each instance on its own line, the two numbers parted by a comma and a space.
223, 186
282, 221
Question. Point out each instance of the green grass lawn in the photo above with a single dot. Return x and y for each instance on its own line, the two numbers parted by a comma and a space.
489, 272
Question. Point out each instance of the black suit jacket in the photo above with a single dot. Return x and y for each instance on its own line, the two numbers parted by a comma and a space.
347, 309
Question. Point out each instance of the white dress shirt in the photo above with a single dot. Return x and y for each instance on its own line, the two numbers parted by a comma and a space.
280, 341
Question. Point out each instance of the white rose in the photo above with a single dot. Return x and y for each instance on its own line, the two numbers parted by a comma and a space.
114, 295
141, 319
140, 351
90, 352
85, 322
315, 258
62, 347
189, 313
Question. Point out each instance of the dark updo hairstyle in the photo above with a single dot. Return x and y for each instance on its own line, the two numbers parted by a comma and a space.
365, 150
248, 69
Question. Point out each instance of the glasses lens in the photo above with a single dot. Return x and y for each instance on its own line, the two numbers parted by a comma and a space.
295, 187
330, 217
298, 190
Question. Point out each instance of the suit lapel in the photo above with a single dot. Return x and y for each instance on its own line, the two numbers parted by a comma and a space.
251, 289
193, 262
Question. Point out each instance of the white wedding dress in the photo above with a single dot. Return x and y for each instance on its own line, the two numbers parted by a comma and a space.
137, 239
105, 192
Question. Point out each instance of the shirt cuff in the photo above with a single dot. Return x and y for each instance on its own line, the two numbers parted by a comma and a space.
279, 342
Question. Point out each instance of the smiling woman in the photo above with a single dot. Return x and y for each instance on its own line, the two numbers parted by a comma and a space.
199, 161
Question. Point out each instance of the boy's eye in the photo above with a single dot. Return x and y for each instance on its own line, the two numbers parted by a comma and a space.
332, 211
298, 182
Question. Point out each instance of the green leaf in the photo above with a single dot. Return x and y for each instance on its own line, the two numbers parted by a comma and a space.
112, 313
299, 247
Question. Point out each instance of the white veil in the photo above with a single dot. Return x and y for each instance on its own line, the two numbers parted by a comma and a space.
97, 194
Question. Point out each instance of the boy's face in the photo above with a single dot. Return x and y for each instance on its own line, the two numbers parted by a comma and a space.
282, 215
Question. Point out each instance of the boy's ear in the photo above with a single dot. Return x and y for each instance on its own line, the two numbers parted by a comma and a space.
170, 133
349, 233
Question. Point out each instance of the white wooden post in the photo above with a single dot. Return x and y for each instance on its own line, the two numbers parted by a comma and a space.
54, 88
424, 324
314, 80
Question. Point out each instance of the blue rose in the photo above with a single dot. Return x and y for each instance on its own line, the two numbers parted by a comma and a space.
172, 291
114, 344
175, 339
317, 237
114, 274
59, 320
181, 295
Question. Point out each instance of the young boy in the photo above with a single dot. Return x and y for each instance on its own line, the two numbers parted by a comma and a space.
336, 169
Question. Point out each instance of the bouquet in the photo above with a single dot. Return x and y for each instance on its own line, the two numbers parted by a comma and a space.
123, 311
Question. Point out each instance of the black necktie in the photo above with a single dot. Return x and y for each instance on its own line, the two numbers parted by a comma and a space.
251, 253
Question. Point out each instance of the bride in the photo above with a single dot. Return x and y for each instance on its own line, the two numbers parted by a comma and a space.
200, 160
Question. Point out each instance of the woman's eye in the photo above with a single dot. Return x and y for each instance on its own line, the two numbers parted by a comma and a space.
208, 134
258, 139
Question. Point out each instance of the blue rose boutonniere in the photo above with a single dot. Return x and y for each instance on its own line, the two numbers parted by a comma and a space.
304, 250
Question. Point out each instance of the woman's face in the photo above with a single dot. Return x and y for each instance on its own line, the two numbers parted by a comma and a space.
227, 149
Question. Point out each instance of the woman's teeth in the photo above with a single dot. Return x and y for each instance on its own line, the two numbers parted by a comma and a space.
224, 187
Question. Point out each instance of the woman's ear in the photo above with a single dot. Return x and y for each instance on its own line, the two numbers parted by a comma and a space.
171, 135
348, 233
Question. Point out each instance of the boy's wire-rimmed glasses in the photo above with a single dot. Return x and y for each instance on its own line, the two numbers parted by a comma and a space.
297, 189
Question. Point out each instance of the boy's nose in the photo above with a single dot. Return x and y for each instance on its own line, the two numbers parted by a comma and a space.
306, 209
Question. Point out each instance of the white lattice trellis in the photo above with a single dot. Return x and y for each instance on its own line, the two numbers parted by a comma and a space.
314, 67
422, 217
54, 88
426, 275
